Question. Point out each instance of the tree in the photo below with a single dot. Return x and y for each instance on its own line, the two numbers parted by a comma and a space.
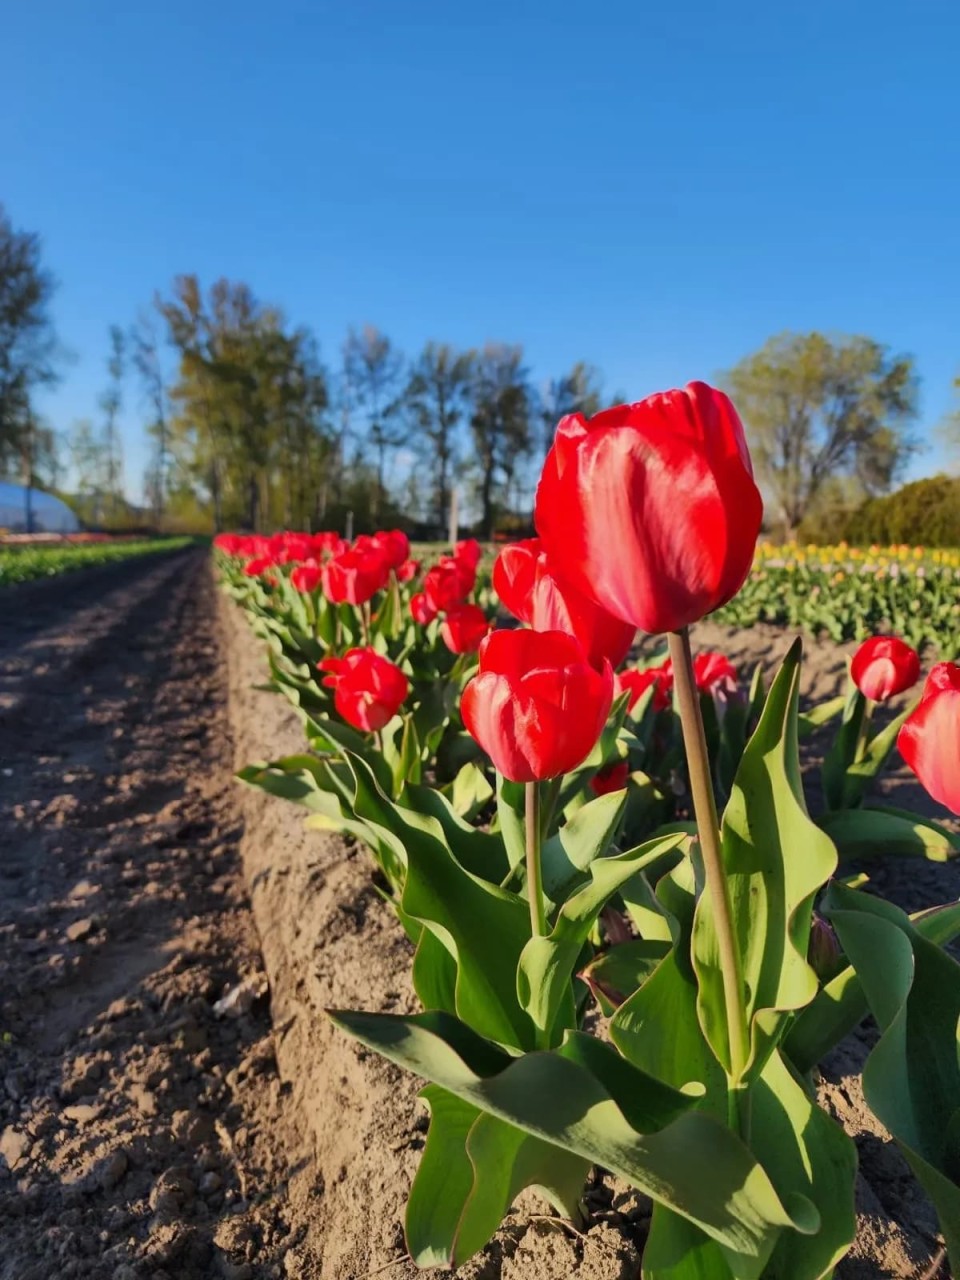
249, 399
144, 342
110, 403
373, 369
500, 423
28, 345
435, 398
578, 391
816, 408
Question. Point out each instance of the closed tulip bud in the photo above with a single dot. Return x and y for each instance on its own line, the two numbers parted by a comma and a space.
636, 683
930, 738
537, 706
464, 627
651, 509
394, 545
612, 777
355, 576
523, 581
306, 577
449, 582
468, 552
368, 688
421, 610
884, 666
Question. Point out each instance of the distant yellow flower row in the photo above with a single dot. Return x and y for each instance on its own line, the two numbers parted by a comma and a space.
791, 555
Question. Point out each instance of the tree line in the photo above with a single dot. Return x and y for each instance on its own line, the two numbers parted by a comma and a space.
248, 427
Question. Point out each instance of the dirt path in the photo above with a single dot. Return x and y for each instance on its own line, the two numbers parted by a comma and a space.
141, 1134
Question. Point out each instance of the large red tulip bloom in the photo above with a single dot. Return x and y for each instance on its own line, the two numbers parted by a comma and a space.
636, 683
468, 552
537, 705
884, 666
930, 739
306, 577
464, 627
354, 576
394, 545
449, 582
651, 508
421, 610
368, 688
523, 581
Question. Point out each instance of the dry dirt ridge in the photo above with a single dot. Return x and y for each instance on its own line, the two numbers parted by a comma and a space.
329, 941
142, 1132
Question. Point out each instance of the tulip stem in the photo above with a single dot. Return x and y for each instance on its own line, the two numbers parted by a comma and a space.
863, 736
538, 916
708, 830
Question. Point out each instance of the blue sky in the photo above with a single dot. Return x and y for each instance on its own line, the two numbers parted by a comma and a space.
653, 188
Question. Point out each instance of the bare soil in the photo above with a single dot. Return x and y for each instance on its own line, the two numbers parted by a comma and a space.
141, 1134
144, 1130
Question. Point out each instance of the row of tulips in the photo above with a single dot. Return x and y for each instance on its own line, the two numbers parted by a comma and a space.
848, 593
560, 834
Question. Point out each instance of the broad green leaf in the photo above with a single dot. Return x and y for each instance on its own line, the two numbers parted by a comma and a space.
841, 1004
586, 837
510, 811
840, 753
676, 1249
775, 859
546, 964
911, 1080
806, 1154
586, 1099
470, 790
616, 974
820, 715
859, 833
434, 973
481, 852
473, 1167
657, 1028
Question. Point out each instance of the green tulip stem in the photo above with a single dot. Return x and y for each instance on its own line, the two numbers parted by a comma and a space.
538, 916
863, 737
708, 830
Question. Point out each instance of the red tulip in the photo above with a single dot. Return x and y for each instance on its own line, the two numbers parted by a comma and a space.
930, 739
408, 570
256, 567
712, 669
464, 627
651, 508
523, 581
468, 552
231, 544
355, 575
448, 583
612, 777
394, 546
884, 666
368, 687
638, 682
536, 705
296, 546
306, 577
421, 610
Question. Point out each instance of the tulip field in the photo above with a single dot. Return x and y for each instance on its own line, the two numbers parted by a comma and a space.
28, 562
584, 905
636, 926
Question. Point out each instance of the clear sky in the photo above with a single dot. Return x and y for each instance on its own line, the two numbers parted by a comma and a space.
655, 188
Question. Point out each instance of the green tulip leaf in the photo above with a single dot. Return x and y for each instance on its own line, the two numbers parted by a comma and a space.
775, 859
473, 1167
616, 974
911, 1080
821, 714
470, 791
546, 964
567, 856
841, 1004
859, 833
585, 1098
657, 1028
